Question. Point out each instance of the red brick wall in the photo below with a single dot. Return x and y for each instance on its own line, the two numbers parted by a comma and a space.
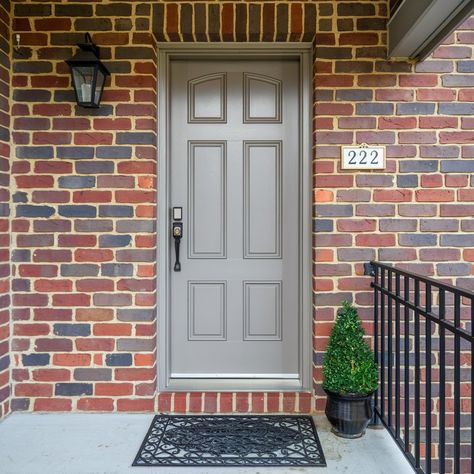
84, 228
4, 208
84, 202
418, 213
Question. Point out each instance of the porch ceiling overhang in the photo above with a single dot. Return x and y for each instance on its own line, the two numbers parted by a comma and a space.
417, 27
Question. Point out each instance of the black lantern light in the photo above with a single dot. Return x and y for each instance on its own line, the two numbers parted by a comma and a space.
88, 74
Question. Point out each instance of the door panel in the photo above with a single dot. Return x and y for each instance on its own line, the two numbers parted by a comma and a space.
234, 168
262, 199
207, 192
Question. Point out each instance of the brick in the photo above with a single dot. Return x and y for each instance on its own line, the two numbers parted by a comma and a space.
135, 405
453, 269
79, 270
135, 255
93, 225
75, 153
136, 226
53, 345
72, 330
397, 225
456, 210
457, 166
355, 255
439, 151
94, 167
407, 181
77, 211
52, 404
439, 225
396, 195
33, 390
92, 375
439, 254
417, 240
136, 345
375, 108
73, 389
397, 255
420, 166
457, 240
118, 359
323, 225
116, 269
115, 211
35, 359
95, 344
77, 182
355, 9
416, 108
104, 299
71, 299
434, 195
134, 315
373, 180
26, 210
458, 108
375, 240
333, 210
95, 404
114, 240
375, 210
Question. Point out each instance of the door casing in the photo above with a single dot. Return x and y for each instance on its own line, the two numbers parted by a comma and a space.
166, 53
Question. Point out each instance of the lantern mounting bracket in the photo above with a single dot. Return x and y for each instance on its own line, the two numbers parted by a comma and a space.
89, 45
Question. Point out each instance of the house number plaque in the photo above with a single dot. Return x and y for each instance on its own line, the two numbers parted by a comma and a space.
363, 157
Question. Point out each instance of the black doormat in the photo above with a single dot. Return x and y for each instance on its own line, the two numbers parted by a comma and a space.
277, 440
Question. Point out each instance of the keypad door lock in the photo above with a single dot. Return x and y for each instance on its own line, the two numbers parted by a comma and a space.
177, 233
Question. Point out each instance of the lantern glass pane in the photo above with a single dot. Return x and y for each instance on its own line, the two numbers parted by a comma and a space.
83, 79
98, 86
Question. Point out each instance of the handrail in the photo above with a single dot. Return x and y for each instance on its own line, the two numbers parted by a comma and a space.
419, 352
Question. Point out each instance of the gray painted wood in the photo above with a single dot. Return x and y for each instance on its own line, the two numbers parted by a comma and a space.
235, 164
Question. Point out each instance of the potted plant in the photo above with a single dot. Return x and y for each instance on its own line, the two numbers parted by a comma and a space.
350, 375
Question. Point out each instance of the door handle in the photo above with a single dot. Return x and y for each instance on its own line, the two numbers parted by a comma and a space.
177, 232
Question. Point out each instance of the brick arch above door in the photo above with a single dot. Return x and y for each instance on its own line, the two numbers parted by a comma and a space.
234, 22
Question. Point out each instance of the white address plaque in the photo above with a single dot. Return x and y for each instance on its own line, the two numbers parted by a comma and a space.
363, 158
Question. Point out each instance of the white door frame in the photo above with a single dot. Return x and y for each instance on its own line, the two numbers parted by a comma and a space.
302, 52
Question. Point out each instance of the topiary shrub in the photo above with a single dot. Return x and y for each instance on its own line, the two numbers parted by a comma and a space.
349, 365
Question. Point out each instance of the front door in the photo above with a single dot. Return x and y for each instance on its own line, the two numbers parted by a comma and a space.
234, 164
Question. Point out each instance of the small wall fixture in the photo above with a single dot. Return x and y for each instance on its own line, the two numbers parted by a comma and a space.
88, 74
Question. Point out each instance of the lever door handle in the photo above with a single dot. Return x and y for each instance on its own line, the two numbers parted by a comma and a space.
177, 235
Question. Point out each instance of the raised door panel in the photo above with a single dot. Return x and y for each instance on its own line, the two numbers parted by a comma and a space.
262, 99
262, 199
207, 309
207, 197
262, 311
207, 99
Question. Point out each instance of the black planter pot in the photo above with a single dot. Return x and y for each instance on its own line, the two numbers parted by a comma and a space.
349, 414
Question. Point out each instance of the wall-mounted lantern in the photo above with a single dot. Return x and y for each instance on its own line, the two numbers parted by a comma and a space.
88, 74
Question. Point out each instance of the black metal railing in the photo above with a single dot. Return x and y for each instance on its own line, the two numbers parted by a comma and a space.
424, 347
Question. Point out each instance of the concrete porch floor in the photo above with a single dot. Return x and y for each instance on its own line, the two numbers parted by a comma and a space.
107, 444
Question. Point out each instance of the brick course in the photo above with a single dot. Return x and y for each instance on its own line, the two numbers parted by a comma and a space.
5, 316
84, 263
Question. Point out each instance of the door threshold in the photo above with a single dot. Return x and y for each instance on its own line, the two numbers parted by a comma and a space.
232, 385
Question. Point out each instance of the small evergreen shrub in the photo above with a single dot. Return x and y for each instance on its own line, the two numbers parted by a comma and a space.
349, 365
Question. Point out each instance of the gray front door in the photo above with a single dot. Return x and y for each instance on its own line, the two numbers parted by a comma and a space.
234, 169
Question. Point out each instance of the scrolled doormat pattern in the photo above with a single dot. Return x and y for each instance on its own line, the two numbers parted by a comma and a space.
276, 440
